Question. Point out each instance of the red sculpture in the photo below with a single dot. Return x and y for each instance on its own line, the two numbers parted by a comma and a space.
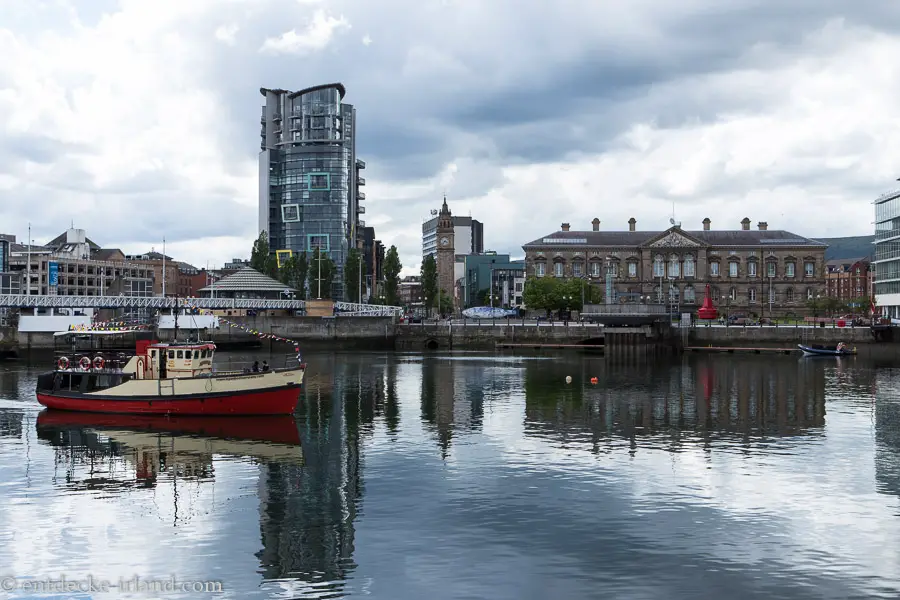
707, 310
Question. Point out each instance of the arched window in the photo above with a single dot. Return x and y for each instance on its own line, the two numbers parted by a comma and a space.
674, 294
658, 266
688, 269
674, 267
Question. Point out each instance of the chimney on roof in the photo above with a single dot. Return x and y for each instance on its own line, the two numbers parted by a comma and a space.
763, 226
632, 222
564, 227
745, 224
706, 223
595, 224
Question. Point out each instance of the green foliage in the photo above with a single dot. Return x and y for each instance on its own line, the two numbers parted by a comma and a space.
320, 275
391, 270
429, 276
554, 293
353, 267
293, 273
261, 258
446, 307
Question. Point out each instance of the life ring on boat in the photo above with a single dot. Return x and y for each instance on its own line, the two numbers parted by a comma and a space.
99, 363
84, 363
63, 363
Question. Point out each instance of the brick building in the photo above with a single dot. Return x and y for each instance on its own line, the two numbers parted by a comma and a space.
848, 279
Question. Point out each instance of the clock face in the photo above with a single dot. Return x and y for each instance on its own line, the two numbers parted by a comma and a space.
444, 241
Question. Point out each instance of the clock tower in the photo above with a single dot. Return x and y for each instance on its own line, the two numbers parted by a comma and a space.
446, 254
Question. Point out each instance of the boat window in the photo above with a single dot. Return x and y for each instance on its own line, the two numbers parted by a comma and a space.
180, 354
196, 354
171, 354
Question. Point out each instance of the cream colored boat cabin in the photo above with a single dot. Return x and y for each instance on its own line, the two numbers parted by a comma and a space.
172, 361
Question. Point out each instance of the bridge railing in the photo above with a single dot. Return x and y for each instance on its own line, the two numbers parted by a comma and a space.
624, 309
353, 309
52, 301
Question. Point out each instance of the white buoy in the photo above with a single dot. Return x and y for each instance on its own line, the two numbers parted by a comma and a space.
568, 379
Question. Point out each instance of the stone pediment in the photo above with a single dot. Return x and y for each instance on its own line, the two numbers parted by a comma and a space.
673, 239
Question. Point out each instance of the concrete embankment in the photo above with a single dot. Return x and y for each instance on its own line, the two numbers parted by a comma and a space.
789, 337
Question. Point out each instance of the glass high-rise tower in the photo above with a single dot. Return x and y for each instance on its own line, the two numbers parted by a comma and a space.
309, 177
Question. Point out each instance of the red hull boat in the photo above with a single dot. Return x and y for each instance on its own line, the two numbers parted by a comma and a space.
276, 401
168, 379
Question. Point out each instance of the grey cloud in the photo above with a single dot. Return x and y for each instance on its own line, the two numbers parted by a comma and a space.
533, 86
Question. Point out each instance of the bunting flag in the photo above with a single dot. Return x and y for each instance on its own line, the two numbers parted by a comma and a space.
96, 327
261, 335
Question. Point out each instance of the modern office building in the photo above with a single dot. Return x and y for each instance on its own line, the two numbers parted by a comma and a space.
468, 235
887, 254
309, 176
491, 273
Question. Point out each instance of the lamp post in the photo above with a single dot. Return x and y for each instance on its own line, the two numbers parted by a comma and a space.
359, 297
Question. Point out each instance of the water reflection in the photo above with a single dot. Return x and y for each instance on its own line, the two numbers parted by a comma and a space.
116, 453
666, 405
472, 475
887, 432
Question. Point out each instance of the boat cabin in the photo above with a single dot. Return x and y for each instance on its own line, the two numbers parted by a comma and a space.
170, 361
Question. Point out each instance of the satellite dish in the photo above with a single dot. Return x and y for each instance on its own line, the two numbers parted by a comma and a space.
671, 221
434, 212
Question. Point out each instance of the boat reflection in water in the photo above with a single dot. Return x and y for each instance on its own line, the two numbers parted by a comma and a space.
93, 446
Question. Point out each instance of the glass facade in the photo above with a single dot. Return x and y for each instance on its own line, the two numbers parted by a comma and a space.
887, 254
308, 175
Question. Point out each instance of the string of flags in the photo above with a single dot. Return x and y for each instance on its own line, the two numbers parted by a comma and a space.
103, 327
260, 334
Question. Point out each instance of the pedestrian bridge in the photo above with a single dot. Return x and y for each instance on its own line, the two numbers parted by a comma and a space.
52, 301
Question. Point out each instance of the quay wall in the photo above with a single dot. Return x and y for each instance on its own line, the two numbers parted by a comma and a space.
487, 334
737, 336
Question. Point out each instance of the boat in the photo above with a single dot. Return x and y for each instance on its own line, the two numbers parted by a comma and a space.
839, 350
167, 379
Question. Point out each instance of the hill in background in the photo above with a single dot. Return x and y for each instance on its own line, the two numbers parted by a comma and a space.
848, 247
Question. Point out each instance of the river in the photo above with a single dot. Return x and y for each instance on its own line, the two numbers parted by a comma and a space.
474, 475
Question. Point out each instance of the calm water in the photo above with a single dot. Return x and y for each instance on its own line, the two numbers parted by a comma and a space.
476, 476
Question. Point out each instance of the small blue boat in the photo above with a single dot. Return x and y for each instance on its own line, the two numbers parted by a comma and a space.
839, 350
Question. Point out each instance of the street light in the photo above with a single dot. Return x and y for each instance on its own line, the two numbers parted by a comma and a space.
359, 297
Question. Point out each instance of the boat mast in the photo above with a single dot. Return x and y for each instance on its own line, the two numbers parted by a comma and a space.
175, 312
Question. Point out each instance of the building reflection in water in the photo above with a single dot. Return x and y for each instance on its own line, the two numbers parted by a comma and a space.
453, 394
693, 400
887, 431
307, 511
10, 418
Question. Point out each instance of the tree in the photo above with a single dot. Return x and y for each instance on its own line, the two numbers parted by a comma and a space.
540, 293
261, 258
552, 293
391, 269
429, 277
352, 271
446, 306
293, 273
320, 275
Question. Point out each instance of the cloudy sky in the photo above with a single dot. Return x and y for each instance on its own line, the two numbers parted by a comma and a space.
139, 119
